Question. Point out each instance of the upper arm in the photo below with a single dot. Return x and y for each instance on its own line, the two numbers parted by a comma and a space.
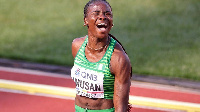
120, 65
122, 68
122, 71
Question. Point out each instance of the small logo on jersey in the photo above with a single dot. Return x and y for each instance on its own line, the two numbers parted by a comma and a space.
77, 72
101, 67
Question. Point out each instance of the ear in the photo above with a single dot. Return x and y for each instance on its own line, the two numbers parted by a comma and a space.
85, 22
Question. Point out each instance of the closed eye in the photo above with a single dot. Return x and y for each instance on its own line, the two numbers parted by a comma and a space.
96, 12
108, 13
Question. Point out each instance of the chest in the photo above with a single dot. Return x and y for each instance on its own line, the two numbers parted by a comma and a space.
94, 56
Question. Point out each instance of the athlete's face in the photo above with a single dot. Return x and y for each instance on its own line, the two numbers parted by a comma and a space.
99, 19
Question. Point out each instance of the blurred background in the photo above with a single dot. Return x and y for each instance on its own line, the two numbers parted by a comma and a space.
161, 37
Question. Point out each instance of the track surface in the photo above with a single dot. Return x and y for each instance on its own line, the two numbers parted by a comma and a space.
20, 101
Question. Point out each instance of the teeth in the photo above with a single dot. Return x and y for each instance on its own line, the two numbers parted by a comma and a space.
102, 24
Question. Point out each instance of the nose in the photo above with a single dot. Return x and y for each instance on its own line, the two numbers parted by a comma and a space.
102, 16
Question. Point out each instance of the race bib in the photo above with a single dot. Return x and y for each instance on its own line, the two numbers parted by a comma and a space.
89, 83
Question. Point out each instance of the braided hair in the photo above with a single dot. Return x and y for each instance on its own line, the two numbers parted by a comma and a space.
85, 15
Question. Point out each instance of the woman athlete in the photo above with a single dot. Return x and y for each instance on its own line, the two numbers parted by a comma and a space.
102, 69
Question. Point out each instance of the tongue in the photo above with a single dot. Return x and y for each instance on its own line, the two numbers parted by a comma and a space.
102, 29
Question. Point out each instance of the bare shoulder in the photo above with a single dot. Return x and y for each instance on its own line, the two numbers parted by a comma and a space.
76, 44
78, 41
120, 63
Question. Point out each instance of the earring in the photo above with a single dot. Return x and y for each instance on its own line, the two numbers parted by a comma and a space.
112, 25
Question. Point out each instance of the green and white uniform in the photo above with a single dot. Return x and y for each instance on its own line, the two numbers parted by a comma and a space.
94, 80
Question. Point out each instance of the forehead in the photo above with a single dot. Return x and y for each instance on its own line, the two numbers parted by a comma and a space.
99, 6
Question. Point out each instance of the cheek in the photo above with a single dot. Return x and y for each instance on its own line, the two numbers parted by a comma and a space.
110, 19
91, 20
111, 22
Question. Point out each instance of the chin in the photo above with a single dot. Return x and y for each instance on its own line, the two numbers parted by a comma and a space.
102, 35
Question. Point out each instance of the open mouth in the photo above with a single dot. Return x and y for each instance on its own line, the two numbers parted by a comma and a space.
102, 26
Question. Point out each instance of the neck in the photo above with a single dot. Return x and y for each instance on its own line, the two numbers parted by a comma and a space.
97, 44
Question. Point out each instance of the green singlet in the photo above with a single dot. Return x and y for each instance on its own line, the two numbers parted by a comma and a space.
94, 80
